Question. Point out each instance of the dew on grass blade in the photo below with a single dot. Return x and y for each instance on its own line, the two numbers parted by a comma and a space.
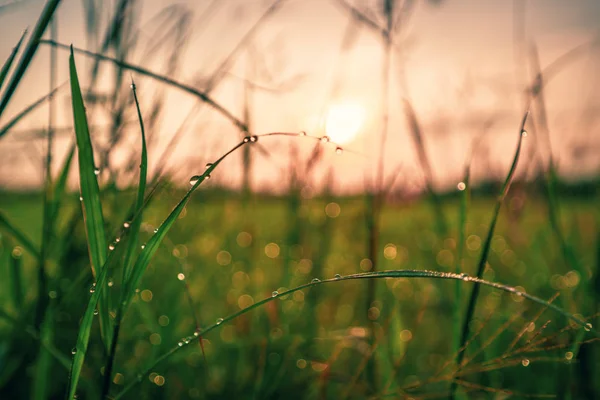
524, 133
93, 287
219, 321
74, 351
464, 276
194, 179
180, 276
339, 150
96, 311
325, 139
275, 293
461, 186
315, 280
196, 333
111, 247
254, 139
302, 133
246, 139
337, 276
208, 165
96, 171
126, 225
588, 327
525, 362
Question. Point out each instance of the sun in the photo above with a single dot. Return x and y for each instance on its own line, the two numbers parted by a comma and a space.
344, 121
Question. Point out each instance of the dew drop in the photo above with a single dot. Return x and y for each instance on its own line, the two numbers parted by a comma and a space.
219, 321
180, 344
143, 246
194, 179
96, 171
207, 177
96, 311
155, 230
302, 133
275, 293
93, 288
524, 133
126, 225
337, 276
80, 198
180, 276
186, 340
196, 333
569, 355
588, 327
208, 165
111, 247
246, 139
74, 351
254, 139
325, 139
315, 280
461, 186
132, 86
525, 362
464, 276
339, 150
117, 240
110, 283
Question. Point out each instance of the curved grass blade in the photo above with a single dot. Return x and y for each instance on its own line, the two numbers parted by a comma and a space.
10, 59
29, 52
161, 78
134, 230
136, 223
90, 194
10, 124
366, 275
486, 247
19, 236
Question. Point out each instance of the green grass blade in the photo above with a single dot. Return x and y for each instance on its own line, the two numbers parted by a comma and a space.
161, 78
152, 246
487, 245
60, 184
10, 59
29, 52
136, 223
90, 194
134, 229
10, 124
367, 275
19, 236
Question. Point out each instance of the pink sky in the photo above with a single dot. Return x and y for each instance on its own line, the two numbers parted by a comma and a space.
460, 70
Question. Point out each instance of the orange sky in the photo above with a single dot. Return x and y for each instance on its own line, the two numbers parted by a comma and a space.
459, 63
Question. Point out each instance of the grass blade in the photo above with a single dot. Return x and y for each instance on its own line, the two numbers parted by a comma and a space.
134, 230
486, 247
29, 52
10, 124
161, 78
136, 223
10, 59
16, 279
367, 275
90, 193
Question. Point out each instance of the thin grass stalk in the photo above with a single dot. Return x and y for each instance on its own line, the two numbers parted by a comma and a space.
134, 229
44, 311
486, 248
411, 274
11, 58
29, 52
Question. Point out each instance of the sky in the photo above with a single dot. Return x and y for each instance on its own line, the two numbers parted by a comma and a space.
457, 62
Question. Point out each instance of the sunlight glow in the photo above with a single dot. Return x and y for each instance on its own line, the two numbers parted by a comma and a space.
344, 121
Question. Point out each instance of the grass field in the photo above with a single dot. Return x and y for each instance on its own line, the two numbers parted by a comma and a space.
157, 290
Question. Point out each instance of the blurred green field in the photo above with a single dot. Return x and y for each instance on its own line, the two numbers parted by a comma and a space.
234, 251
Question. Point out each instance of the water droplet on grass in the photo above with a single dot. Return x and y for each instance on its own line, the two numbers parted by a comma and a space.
325, 139
254, 139
337, 276
588, 327
96, 171
73, 351
464, 276
96, 311
126, 225
196, 333
194, 179
180, 276
524, 133
143, 246
302, 133
180, 344
208, 165
246, 139
461, 186
219, 321
315, 280
80, 198
525, 362
275, 293
93, 288
339, 150
111, 247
